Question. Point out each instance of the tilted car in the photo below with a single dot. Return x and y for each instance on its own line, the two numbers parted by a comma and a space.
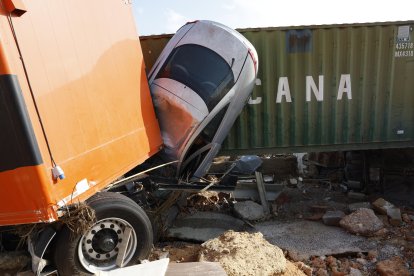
199, 85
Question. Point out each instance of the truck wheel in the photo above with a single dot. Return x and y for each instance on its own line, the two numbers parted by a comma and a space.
97, 249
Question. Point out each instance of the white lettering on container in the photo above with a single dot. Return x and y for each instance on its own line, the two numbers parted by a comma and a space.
283, 90
345, 87
258, 100
310, 85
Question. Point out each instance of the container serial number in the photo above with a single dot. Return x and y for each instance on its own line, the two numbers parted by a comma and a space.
404, 53
404, 45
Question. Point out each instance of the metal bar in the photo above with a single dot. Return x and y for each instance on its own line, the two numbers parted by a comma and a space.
138, 175
123, 248
262, 192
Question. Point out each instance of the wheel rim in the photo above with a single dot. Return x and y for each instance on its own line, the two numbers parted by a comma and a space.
99, 246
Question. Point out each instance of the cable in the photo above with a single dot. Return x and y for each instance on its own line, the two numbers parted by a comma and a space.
31, 90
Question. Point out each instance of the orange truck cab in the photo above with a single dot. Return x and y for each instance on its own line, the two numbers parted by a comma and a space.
74, 94
76, 114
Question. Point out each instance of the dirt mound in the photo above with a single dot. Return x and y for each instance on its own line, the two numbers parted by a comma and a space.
241, 253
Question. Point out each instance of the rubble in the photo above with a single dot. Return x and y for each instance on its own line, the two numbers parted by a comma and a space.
392, 267
358, 205
363, 222
293, 182
354, 272
395, 216
305, 268
406, 218
381, 205
332, 218
208, 200
249, 210
244, 257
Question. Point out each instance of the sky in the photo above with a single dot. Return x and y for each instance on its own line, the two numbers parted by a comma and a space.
166, 16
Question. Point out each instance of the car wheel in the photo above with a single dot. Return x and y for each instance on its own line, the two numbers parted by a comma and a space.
119, 220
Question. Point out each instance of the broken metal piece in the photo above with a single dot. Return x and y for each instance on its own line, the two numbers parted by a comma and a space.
123, 247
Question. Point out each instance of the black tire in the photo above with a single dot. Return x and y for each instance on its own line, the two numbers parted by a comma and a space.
106, 205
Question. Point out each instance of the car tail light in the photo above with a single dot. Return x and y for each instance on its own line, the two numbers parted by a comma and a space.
253, 58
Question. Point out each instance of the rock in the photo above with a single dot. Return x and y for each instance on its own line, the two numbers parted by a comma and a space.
322, 272
294, 256
392, 267
318, 263
354, 195
395, 216
384, 219
335, 272
354, 272
249, 254
293, 181
362, 261
355, 206
362, 221
292, 270
333, 217
331, 261
381, 205
372, 254
305, 268
249, 210
406, 218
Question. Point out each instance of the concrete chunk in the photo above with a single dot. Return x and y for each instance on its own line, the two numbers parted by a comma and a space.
392, 267
395, 216
202, 226
355, 206
381, 205
332, 218
249, 210
363, 222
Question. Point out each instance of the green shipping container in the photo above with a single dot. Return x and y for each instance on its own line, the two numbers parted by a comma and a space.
321, 88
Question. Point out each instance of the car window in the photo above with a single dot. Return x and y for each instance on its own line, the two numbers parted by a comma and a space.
201, 69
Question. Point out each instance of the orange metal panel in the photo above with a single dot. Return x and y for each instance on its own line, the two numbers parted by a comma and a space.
85, 66
15, 7
23, 196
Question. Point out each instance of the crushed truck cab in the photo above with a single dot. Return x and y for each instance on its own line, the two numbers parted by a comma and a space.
77, 114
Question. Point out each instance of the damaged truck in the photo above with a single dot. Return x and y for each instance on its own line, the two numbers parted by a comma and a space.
82, 122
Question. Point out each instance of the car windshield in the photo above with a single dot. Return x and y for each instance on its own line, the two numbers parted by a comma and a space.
201, 69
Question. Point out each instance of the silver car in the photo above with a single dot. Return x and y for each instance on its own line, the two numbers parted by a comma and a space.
199, 85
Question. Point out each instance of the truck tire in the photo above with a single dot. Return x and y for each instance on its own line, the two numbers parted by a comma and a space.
97, 249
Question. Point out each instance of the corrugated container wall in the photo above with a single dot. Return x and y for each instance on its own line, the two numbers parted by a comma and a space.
337, 87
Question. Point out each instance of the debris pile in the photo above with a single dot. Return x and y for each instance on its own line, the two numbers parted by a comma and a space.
208, 201
241, 253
